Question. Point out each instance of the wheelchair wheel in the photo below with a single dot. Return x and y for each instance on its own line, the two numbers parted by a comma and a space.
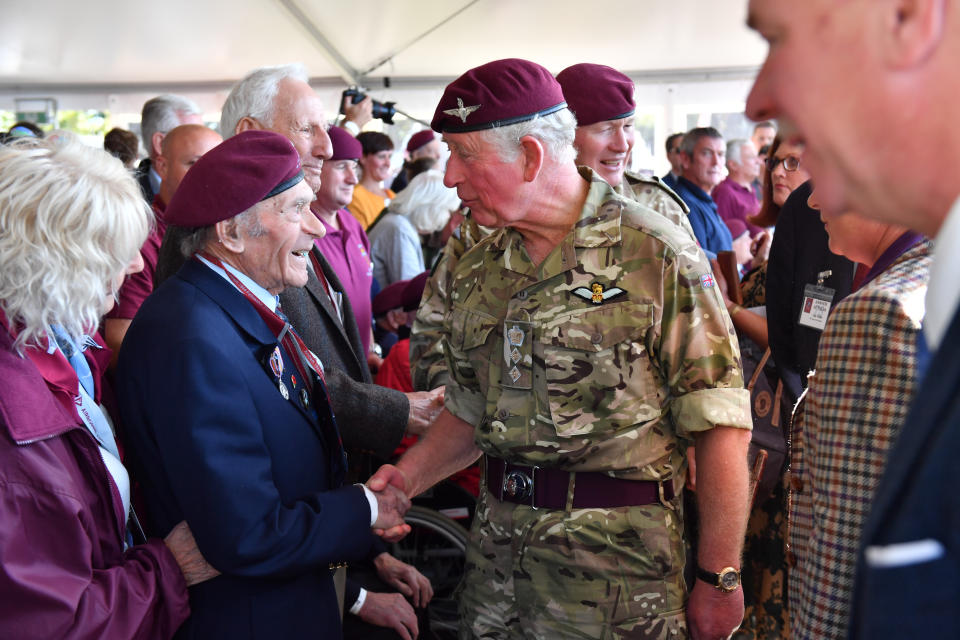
437, 547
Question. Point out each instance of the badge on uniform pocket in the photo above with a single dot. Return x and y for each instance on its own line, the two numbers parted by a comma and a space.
517, 368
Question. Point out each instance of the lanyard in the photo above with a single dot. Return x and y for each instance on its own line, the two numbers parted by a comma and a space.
303, 358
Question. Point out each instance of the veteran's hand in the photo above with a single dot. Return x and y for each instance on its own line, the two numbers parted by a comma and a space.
713, 614
184, 549
425, 406
404, 578
390, 610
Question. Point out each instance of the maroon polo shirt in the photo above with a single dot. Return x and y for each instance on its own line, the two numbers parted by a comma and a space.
734, 201
347, 249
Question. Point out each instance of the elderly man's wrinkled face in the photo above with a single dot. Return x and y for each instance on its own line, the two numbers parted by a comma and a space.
704, 167
484, 182
819, 81
605, 147
298, 115
275, 251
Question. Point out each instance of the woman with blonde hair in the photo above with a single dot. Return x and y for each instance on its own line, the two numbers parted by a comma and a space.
71, 224
396, 240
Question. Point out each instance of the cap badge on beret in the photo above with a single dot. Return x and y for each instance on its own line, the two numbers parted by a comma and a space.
461, 111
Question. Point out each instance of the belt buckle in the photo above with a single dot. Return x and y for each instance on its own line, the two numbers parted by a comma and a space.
519, 486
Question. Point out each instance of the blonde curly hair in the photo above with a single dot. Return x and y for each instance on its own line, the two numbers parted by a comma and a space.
71, 220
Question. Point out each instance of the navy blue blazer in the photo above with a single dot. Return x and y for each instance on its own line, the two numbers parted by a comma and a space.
254, 475
917, 509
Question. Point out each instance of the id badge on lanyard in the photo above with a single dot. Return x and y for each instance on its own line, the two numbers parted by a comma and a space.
817, 300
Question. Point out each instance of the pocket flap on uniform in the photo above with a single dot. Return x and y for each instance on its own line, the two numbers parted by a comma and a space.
470, 329
598, 329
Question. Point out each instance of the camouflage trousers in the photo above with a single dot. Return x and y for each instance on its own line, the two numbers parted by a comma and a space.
586, 573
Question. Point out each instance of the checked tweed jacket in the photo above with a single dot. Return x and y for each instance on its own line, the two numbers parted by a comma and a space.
854, 407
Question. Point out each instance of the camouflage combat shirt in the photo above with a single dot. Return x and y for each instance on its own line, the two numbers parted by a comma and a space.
603, 357
652, 193
428, 367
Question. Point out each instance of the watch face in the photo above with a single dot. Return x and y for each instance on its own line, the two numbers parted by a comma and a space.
729, 580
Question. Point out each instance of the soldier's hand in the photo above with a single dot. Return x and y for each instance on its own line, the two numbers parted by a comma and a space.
360, 113
713, 614
184, 549
390, 610
387, 475
425, 406
404, 578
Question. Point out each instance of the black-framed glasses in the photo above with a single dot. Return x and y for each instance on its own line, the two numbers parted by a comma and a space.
790, 163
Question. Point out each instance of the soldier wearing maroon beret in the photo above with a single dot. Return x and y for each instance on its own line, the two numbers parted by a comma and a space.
587, 346
602, 100
226, 410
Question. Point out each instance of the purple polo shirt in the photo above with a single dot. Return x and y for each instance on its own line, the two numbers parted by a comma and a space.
347, 249
734, 201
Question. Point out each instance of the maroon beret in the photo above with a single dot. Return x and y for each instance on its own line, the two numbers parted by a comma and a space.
232, 177
497, 94
404, 294
345, 146
596, 92
420, 139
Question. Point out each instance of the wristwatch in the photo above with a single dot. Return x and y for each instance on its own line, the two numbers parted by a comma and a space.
375, 348
727, 580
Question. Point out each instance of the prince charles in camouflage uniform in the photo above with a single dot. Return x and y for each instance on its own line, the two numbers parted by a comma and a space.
587, 345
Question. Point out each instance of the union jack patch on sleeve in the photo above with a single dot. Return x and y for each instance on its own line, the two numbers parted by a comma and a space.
706, 280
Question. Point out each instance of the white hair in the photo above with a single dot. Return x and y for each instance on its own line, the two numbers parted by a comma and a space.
254, 95
426, 202
734, 147
161, 114
556, 131
71, 220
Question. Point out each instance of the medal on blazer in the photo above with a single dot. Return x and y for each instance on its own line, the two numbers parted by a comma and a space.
276, 366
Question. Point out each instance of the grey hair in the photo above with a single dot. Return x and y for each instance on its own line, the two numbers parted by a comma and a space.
692, 137
254, 95
733, 150
556, 131
161, 114
426, 202
197, 239
71, 221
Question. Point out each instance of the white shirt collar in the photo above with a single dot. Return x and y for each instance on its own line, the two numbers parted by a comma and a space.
943, 294
262, 294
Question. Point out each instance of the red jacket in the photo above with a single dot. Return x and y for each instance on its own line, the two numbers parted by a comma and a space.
63, 571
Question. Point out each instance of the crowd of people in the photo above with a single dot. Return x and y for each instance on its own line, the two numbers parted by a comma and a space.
696, 406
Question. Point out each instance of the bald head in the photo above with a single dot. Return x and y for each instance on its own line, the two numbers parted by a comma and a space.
181, 148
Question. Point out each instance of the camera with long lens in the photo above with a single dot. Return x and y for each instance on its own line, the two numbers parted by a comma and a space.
382, 110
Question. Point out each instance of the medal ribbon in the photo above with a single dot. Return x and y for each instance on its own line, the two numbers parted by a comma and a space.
303, 359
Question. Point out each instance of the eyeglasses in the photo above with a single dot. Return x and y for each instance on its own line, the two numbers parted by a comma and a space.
790, 163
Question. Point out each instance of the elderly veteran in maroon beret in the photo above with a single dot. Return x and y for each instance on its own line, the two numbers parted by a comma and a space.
602, 100
587, 345
227, 411
71, 224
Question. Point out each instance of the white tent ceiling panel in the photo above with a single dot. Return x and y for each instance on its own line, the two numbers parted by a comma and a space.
114, 45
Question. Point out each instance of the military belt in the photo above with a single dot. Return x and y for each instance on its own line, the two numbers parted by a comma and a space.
544, 488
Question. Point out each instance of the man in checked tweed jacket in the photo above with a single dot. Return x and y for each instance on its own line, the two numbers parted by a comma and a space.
854, 407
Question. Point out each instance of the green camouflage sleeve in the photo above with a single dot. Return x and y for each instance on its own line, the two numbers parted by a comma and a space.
697, 347
428, 367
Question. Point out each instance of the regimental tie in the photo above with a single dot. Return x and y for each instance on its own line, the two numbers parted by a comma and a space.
307, 365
